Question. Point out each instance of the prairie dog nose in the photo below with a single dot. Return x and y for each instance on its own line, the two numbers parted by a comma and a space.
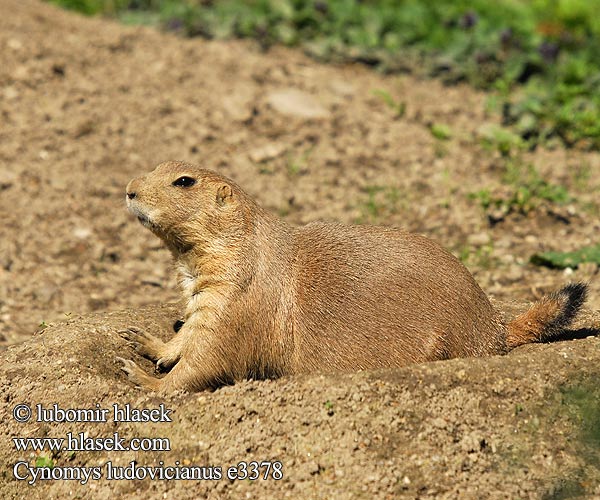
131, 190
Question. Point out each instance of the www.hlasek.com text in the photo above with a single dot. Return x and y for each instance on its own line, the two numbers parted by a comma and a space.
82, 442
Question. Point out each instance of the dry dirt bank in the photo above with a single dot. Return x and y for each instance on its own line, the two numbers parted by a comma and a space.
87, 104
519, 426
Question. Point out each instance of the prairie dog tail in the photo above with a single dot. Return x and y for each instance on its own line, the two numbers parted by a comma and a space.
547, 318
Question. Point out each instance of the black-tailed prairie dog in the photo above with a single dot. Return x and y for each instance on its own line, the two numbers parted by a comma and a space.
265, 299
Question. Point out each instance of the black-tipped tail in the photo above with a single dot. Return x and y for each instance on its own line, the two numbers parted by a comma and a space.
546, 319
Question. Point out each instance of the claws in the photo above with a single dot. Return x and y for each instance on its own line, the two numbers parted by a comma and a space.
150, 347
128, 365
132, 337
136, 375
132, 334
143, 343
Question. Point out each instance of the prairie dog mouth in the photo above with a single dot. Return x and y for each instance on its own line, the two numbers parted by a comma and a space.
150, 219
141, 216
144, 220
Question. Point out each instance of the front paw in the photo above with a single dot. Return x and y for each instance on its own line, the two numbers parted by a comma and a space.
137, 375
144, 343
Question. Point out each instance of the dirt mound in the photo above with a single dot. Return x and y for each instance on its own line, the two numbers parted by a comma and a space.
87, 104
512, 426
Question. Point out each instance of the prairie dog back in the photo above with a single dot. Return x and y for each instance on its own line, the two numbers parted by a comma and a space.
360, 286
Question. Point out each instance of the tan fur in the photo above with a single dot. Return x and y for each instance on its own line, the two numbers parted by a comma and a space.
265, 299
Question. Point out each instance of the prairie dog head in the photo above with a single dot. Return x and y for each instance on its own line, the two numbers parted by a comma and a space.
187, 206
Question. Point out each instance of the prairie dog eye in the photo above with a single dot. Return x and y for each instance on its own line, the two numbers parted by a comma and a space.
184, 182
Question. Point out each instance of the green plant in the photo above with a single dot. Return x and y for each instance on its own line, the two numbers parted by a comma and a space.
372, 207
566, 488
298, 163
44, 461
397, 106
562, 260
91, 7
380, 202
440, 131
481, 257
582, 176
502, 140
523, 191
526, 178
581, 403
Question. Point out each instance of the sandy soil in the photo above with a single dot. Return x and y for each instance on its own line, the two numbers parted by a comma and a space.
87, 104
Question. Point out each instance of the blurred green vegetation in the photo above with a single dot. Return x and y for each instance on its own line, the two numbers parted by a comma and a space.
542, 57
562, 260
523, 191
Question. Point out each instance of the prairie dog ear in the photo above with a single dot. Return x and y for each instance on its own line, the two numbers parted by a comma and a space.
224, 194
